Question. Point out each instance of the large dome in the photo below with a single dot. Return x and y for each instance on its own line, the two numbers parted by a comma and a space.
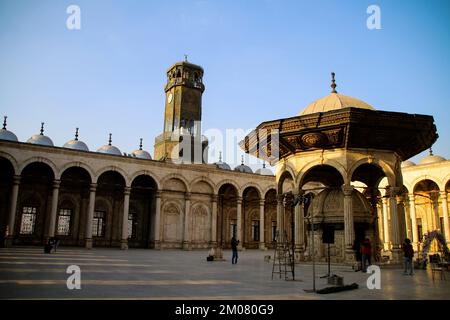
141, 154
6, 134
109, 148
334, 101
40, 138
431, 158
76, 144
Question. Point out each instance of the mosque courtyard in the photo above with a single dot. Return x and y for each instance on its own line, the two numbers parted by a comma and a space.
28, 273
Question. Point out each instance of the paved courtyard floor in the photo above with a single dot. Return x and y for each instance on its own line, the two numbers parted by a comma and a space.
28, 273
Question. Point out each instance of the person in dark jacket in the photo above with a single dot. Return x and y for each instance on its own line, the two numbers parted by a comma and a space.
234, 244
408, 253
366, 254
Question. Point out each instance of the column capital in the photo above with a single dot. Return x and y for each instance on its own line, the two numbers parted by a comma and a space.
56, 184
127, 191
16, 179
443, 193
384, 200
239, 200
187, 196
214, 197
347, 190
93, 187
393, 191
411, 197
262, 202
399, 198
158, 193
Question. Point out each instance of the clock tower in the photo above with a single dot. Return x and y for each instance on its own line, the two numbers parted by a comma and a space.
182, 136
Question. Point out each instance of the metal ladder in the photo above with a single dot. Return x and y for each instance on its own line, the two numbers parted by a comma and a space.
283, 260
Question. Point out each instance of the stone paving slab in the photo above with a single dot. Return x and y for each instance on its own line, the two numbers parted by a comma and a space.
28, 273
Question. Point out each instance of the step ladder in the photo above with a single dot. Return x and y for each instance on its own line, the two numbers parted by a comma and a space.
283, 260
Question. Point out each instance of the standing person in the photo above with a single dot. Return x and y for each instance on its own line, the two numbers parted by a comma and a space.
366, 251
234, 244
408, 256
357, 249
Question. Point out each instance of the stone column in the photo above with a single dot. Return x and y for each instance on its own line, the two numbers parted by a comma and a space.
443, 196
239, 222
412, 213
262, 245
299, 231
54, 209
187, 220
395, 231
126, 210
386, 238
214, 221
157, 234
380, 223
280, 217
90, 215
12, 212
349, 229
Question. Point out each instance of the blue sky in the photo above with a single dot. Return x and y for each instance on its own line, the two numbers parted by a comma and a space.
263, 60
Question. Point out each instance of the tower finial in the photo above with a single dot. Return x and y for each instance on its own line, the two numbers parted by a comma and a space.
110, 139
42, 128
242, 159
333, 83
76, 134
220, 156
264, 164
431, 151
140, 144
185, 57
4, 122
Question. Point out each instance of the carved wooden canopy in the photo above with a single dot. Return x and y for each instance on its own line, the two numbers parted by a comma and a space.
403, 133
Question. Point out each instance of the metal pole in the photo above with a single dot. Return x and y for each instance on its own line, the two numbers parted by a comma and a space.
313, 253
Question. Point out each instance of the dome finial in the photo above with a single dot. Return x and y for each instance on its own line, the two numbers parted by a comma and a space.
431, 151
264, 164
220, 156
4, 122
185, 57
76, 134
333, 83
110, 139
242, 159
140, 145
42, 128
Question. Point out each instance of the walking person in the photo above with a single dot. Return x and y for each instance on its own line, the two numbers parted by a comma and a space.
234, 244
366, 253
408, 256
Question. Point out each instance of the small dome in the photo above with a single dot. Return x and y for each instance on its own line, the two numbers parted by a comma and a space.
141, 154
264, 171
243, 168
110, 149
40, 138
431, 158
222, 165
407, 163
6, 134
76, 144
334, 101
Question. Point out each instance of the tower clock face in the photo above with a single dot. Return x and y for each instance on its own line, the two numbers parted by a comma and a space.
170, 97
